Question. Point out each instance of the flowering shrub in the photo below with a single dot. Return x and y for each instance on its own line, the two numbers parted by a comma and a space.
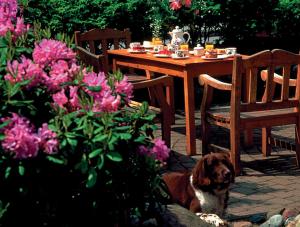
70, 149
177, 4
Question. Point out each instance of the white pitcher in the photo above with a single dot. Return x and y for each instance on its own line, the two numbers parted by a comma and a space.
177, 36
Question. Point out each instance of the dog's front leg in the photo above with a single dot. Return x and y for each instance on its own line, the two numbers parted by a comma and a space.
212, 219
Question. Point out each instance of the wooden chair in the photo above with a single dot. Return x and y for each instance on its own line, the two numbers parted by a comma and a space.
98, 41
157, 88
251, 111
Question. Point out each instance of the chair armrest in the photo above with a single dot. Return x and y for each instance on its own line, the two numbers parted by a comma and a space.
207, 79
277, 78
88, 58
164, 80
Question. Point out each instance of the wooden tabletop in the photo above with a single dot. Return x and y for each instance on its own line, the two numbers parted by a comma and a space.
183, 62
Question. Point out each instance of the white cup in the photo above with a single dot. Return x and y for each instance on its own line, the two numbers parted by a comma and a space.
199, 50
158, 48
231, 51
134, 45
147, 44
181, 53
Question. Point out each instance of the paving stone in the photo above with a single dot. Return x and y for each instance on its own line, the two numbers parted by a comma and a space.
269, 183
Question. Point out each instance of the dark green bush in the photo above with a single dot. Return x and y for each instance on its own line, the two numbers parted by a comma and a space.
251, 25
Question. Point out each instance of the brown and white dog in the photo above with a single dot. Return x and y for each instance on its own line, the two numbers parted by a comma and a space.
205, 188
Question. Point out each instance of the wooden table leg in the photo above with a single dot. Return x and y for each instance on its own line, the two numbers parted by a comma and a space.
189, 104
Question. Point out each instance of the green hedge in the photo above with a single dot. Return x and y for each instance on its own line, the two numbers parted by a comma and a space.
250, 25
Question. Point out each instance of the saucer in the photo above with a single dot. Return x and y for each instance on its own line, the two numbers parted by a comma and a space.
161, 55
136, 51
221, 56
176, 57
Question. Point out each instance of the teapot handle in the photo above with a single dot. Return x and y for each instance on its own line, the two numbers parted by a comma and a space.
188, 36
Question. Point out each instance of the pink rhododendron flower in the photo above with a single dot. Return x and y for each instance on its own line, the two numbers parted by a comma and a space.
175, 5
48, 51
96, 80
124, 87
24, 70
19, 138
188, 3
8, 16
8, 9
48, 139
60, 73
143, 150
108, 103
159, 151
74, 100
60, 98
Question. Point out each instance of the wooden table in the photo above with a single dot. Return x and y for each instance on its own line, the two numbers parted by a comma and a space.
187, 69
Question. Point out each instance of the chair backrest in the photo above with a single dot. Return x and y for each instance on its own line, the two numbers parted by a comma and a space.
89, 59
98, 41
265, 63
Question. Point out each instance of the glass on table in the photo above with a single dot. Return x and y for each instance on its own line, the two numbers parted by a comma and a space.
156, 41
209, 46
184, 46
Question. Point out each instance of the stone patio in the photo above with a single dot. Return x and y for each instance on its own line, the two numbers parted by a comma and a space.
267, 185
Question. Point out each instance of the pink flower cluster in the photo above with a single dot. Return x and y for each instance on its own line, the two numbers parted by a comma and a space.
9, 20
177, 4
21, 140
49, 54
159, 151
53, 65
24, 70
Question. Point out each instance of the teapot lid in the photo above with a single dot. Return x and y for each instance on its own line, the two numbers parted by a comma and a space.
177, 29
198, 47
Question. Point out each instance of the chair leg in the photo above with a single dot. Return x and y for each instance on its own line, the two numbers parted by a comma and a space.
205, 130
170, 100
166, 130
265, 143
297, 142
235, 151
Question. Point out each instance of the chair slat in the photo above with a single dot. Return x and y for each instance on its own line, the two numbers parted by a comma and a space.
285, 85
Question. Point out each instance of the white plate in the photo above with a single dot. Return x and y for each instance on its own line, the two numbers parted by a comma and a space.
148, 47
136, 51
161, 55
221, 56
191, 52
176, 57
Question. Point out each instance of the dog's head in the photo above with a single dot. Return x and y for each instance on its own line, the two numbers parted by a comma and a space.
214, 171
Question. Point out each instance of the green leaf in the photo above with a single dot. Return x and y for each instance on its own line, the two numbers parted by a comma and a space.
95, 153
21, 170
124, 136
100, 138
100, 162
140, 139
2, 137
5, 123
72, 142
20, 103
3, 42
92, 178
94, 88
114, 156
55, 160
7, 172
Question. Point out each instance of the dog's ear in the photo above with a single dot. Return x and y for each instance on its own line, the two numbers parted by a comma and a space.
200, 173
230, 166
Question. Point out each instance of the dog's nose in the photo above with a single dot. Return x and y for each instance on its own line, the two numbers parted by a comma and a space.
227, 174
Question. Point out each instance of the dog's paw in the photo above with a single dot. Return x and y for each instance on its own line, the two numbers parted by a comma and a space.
212, 219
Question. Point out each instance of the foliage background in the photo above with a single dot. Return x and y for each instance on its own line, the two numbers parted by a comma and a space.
251, 25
